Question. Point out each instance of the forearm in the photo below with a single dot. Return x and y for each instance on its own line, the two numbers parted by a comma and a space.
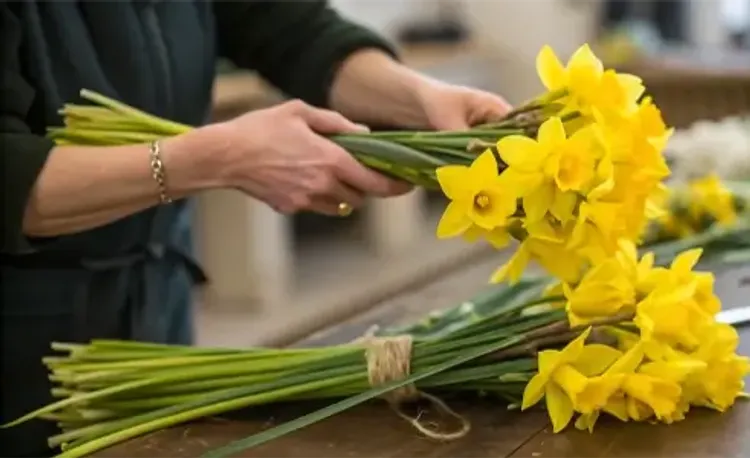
371, 87
80, 188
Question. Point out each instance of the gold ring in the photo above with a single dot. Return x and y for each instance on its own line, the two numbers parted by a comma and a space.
345, 209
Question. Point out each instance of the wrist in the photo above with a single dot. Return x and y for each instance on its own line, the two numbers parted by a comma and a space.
193, 161
373, 88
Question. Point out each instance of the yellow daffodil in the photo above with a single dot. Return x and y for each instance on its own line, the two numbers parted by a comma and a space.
564, 380
646, 389
547, 245
708, 195
671, 315
548, 172
604, 291
477, 197
587, 85
639, 270
721, 381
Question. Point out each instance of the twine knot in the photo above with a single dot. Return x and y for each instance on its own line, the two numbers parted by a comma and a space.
388, 361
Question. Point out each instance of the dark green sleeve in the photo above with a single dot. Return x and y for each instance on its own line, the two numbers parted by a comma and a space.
22, 153
296, 45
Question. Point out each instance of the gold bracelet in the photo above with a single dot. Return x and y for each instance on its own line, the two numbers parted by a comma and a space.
158, 172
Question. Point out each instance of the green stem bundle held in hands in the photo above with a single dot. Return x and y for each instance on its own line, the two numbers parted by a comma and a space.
410, 156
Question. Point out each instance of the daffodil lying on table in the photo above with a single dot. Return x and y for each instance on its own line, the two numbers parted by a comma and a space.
670, 356
575, 175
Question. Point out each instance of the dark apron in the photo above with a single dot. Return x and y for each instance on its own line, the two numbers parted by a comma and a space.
142, 294
131, 279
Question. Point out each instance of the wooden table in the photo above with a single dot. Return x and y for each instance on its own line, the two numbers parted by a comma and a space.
374, 431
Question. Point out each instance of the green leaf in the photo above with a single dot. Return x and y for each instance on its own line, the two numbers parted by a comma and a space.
388, 152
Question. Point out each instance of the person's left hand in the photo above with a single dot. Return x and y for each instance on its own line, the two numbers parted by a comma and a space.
452, 107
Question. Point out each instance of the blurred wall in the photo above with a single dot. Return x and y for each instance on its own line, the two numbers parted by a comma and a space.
386, 16
512, 31
515, 30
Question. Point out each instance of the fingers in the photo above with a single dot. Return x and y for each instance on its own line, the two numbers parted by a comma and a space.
350, 171
324, 121
489, 108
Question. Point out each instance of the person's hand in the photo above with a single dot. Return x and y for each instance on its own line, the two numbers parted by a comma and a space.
451, 107
279, 156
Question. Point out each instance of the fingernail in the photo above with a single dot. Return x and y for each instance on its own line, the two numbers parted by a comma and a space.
363, 127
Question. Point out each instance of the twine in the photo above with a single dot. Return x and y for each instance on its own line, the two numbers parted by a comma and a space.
389, 360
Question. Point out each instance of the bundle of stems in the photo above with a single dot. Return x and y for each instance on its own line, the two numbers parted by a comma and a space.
412, 156
111, 391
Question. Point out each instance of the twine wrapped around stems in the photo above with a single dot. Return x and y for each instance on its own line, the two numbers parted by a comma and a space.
389, 360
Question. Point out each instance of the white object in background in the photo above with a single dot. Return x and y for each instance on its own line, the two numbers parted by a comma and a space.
735, 317
706, 25
711, 146
736, 15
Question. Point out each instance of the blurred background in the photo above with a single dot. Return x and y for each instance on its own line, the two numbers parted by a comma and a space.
274, 278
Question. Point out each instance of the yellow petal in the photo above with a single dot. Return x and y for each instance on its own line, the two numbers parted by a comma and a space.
551, 133
597, 392
563, 206
520, 152
632, 85
550, 70
596, 358
534, 391
586, 422
543, 230
514, 268
455, 220
629, 361
617, 407
548, 360
536, 204
453, 181
499, 238
484, 168
559, 408
686, 260
519, 183
573, 350
584, 60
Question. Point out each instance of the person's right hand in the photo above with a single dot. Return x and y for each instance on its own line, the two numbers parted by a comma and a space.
277, 155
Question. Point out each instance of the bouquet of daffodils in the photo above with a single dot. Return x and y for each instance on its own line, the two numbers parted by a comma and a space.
575, 176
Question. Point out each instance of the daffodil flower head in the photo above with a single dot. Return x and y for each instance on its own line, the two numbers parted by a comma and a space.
588, 86
550, 171
477, 197
670, 314
546, 244
605, 290
708, 195
570, 380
